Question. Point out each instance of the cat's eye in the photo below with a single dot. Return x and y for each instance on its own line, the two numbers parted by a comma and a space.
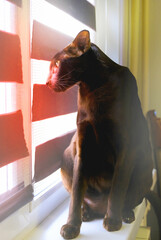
57, 63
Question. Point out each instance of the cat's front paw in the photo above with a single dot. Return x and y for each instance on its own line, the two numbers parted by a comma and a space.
111, 224
69, 231
87, 214
128, 216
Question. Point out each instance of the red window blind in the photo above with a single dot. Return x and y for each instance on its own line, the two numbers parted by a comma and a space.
15, 184
12, 141
10, 60
54, 26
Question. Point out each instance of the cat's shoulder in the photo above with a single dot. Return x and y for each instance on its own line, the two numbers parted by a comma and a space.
125, 74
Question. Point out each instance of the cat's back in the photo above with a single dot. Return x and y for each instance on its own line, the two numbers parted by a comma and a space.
109, 93
104, 100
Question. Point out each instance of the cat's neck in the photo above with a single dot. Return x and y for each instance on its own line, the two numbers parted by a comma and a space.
95, 72
96, 69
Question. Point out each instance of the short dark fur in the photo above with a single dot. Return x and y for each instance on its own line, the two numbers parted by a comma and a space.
108, 166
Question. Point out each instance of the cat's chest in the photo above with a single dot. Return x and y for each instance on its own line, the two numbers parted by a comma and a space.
96, 105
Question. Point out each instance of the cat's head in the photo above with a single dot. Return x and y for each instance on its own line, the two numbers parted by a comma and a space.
66, 66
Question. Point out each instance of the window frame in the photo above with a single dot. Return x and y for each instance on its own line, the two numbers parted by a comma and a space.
25, 219
20, 190
37, 18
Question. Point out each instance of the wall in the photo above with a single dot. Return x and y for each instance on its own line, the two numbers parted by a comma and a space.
108, 27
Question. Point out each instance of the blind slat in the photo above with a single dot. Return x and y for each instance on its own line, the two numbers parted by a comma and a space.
81, 10
12, 141
48, 156
46, 42
17, 201
48, 38
10, 60
16, 2
47, 103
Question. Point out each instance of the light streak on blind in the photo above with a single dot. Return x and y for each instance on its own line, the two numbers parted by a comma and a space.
9, 95
16, 173
7, 90
51, 128
55, 18
7, 14
39, 71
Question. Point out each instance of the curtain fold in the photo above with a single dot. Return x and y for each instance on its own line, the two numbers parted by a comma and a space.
136, 49
138, 16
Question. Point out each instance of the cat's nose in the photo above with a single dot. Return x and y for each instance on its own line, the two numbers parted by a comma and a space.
48, 82
48, 79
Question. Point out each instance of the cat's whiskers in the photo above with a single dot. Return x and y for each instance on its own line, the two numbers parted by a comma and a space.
62, 77
64, 83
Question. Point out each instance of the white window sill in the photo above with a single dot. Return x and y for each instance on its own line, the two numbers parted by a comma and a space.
28, 222
50, 228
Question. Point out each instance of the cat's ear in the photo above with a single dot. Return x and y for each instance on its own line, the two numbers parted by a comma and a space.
82, 41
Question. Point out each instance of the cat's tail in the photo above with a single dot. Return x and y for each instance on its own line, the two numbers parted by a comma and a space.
155, 201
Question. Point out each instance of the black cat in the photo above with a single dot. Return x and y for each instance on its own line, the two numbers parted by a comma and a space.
108, 166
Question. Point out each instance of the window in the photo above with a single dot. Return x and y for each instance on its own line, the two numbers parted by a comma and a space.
54, 25
15, 138
31, 32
